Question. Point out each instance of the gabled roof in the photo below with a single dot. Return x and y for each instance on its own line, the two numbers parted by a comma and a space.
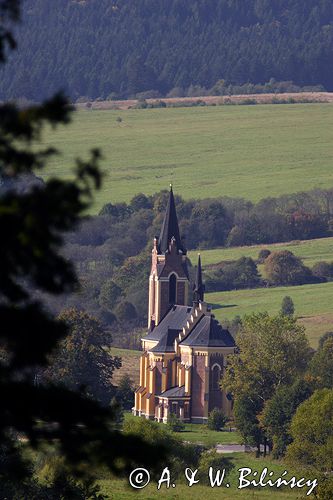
174, 392
166, 344
208, 333
174, 320
170, 228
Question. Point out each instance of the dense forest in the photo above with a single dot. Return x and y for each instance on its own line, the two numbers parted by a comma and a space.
114, 49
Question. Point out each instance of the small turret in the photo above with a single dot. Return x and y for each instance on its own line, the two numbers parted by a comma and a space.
199, 287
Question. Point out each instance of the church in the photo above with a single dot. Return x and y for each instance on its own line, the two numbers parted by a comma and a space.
185, 350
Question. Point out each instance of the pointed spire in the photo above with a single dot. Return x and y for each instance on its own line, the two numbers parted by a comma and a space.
170, 227
199, 287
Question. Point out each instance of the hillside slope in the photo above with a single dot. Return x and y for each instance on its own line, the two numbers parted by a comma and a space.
99, 47
239, 151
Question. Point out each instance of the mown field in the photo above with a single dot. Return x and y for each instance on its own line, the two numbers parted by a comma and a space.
313, 305
248, 151
120, 490
311, 251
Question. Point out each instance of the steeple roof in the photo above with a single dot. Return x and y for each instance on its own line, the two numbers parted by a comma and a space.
199, 287
170, 228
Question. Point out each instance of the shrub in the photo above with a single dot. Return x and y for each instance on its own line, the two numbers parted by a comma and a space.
241, 273
175, 424
287, 307
179, 455
215, 460
323, 338
126, 311
323, 270
141, 104
248, 102
263, 254
284, 268
216, 420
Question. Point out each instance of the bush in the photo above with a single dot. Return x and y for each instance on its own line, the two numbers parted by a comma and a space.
287, 307
141, 104
216, 420
263, 254
323, 270
284, 268
179, 455
212, 459
323, 338
248, 102
125, 311
175, 424
238, 274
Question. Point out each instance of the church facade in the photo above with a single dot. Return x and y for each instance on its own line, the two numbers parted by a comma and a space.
185, 350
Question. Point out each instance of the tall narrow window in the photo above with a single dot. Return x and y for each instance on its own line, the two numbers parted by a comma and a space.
172, 289
215, 377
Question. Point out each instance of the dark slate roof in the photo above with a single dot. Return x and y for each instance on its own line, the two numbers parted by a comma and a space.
174, 392
209, 333
174, 320
170, 228
166, 344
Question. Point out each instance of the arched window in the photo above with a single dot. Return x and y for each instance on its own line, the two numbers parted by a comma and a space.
215, 377
172, 289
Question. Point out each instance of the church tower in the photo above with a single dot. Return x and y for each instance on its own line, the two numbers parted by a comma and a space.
169, 279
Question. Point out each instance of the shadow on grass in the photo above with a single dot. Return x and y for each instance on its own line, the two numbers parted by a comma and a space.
221, 306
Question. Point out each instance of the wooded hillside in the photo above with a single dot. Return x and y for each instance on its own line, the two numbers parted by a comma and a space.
103, 48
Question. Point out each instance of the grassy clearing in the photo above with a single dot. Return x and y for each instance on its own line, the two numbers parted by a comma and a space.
311, 251
247, 151
198, 433
120, 490
313, 305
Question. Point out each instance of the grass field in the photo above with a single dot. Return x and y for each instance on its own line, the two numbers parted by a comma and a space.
313, 305
311, 251
120, 490
248, 151
199, 433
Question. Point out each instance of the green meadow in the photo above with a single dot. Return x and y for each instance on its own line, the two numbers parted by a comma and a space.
311, 251
199, 433
247, 151
313, 305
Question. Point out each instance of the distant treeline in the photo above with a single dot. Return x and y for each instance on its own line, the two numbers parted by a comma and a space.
102, 49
